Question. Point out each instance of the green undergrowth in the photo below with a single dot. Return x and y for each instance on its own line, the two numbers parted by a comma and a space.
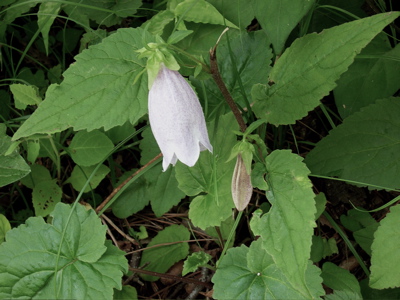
85, 209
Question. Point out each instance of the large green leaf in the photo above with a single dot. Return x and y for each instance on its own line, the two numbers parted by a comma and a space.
90, 148
287, 228
237, 11
200, 11
373, 75
279, 17
339, 279
307, 71
250, 273
12, 167
385, 258
212, 175
364, 148
98, 89
245, 62
161, 258
67, 259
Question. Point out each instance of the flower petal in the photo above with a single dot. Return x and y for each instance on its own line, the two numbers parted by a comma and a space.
177, 119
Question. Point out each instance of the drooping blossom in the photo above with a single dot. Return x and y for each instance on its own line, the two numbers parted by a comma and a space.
177, 119
241, 187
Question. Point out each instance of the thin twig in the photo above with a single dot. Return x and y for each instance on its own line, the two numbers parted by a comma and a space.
133, 241
170, 243
173, 277
110, 234
222, 87
116, 190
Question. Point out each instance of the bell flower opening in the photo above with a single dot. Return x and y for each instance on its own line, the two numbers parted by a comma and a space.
177, 119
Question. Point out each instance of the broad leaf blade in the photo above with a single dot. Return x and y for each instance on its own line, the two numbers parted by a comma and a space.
307, 71
279, 17
98, 90
287, 228
200, 11
339, 279
250, 273
90, 148
87, 267
161, 258
12, 167
385, 252
359, 148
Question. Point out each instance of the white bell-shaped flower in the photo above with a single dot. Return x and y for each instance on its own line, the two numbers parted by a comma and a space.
177, 119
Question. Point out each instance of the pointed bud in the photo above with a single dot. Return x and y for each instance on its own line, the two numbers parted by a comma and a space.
241, 185
176, 119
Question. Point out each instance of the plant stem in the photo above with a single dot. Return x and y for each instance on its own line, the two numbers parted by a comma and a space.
221, 85
100, 209
233, 230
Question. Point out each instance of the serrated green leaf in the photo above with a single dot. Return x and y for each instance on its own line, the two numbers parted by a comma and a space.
339, 279
25, 95
372, 76
163, 257
211, 175
250, 273
308, 69
45, 196
4, 227
279, 17
98, 89
12, 167
385, 255
47, 13
88, 267
291, 218
90, 148
194, 261
200, 11
359, 148
158, 22
80, 175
